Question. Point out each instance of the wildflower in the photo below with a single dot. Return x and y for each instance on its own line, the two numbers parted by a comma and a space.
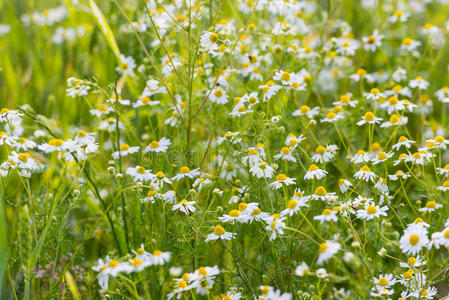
345, 100
360, 157
5, 139
327, 250
382, 157
76, 88
365, 174
408, 44
384, 281
220, 233
54, 145
374, 94
200, 182
218, 96
403, 141
321, 273
10, 116
305, 110
293, 206
419, 83
185, 206
158, 146
369, 118
280, 180
232, 137
285, 154
371, 211
127, 65
262, 170
324, 154
413, 240
125, 150
292, 140
315, 173
399, 175
24, 144
276, 225
301, 269
444, 187
395, 120
139, 173
208, 41
234, 215
327, 215
101, 110
185, 172
372, 42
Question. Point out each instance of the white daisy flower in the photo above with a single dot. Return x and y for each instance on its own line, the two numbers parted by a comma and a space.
139, 173
315, 173
280, 180
158, 146
327, 215
327, 250
185, 172
371, 211
365, 174
413, 240
185, 206
220, 233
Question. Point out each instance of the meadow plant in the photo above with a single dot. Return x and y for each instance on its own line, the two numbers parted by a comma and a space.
224, 149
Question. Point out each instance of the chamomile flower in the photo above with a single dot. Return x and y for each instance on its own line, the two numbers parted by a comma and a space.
101, 110
344, 185
374, 94
127, 65
372, 42
327, 215
315, 173
234, 216
232, 137
365, 174
5, 139
76, 89
139, 173
381, 157
444, 187
185, 206
413, 240
54, 145
218, 96
280, 180
200, 182
158, 146
360, 157
430, 206
345, 100
371, 211
324, 154
326, 250
208, 41
395, 120
369, 118
418, 83
185, 172
276, 225
125, 150
10, 116
285, 154
384, 281
399, 174
444, 171
262, 169
220, 233
403, 142
293, 206
408, 44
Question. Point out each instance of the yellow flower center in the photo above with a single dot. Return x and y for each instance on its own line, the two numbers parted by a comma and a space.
253, 152
323, 247
413, 239
23, 157
365, 169
281, 177
140, 170
381, 156
136, 262
383, 281
157, 252
218, 93
285, 76
181, 284
154, 145
218, 230
124, 147
234, 213
313, 168
55, 142
320, 191
292, 204
213, 37
369, 117
140, 251
113, 263
431, 204
184, 170
371, 210
411, 261
145, 100
242, 206
326, 212
446, 234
